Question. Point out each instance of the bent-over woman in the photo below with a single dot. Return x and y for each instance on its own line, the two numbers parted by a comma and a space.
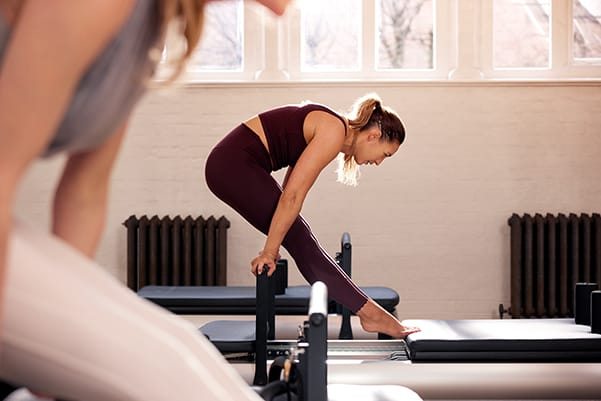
305, 138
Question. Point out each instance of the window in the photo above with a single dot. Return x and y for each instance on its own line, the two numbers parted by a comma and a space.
221, 46
586, 31
369, 39
232, 43
405, 34
330, 37
521, 34
400, 40
539, 39
332, 33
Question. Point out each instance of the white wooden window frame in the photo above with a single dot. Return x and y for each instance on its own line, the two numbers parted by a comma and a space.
562, 64
463, 49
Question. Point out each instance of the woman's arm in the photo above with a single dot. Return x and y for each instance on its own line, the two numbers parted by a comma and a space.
323, 148
82, 195
51, 44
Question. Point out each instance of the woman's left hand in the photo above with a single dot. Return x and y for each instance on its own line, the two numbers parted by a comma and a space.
264, 258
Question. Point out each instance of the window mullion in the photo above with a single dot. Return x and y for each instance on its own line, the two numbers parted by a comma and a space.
254, 45
487, 37
292, 42
445, 45
271, 50
368, 35
561, 23
468, 38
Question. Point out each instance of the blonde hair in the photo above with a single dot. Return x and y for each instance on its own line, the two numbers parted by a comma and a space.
366, 112
190, 17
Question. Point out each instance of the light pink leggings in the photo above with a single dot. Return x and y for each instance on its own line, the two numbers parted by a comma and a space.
73, 331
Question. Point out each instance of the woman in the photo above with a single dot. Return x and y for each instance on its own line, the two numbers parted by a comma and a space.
70, 74
305, 138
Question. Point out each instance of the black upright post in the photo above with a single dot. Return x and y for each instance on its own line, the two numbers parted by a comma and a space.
264, 300
344, 260
313, 359
582, 302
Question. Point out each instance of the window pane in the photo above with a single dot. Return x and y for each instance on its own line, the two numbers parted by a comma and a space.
330, 35
587, 29
221, 46
405, 34
521, 33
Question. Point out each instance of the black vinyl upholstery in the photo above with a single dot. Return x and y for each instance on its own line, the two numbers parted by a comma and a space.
509, 340
225, 300
231, 335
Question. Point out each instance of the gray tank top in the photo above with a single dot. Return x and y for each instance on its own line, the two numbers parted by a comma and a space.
112, 85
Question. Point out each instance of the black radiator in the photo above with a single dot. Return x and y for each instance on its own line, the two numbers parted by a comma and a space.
549, 255
176, 251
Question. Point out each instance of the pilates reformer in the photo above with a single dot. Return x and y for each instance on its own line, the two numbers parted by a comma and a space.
466, 359
241, 300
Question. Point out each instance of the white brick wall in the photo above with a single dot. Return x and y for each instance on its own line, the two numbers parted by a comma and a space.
430, 222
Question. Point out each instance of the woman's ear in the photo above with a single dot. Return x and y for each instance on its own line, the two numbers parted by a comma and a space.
374, 134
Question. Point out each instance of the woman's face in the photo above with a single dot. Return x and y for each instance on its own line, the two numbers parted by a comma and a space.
369, 149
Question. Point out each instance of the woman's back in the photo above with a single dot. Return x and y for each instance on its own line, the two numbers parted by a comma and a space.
283, 128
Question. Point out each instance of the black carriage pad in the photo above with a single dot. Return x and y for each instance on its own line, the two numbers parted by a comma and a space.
386, 297
497, 340
226, 300
204, 299
221, 300
231, 335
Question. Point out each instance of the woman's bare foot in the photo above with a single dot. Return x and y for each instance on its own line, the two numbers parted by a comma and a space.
376, 319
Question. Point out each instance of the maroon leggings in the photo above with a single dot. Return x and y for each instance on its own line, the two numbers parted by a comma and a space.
238, 171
